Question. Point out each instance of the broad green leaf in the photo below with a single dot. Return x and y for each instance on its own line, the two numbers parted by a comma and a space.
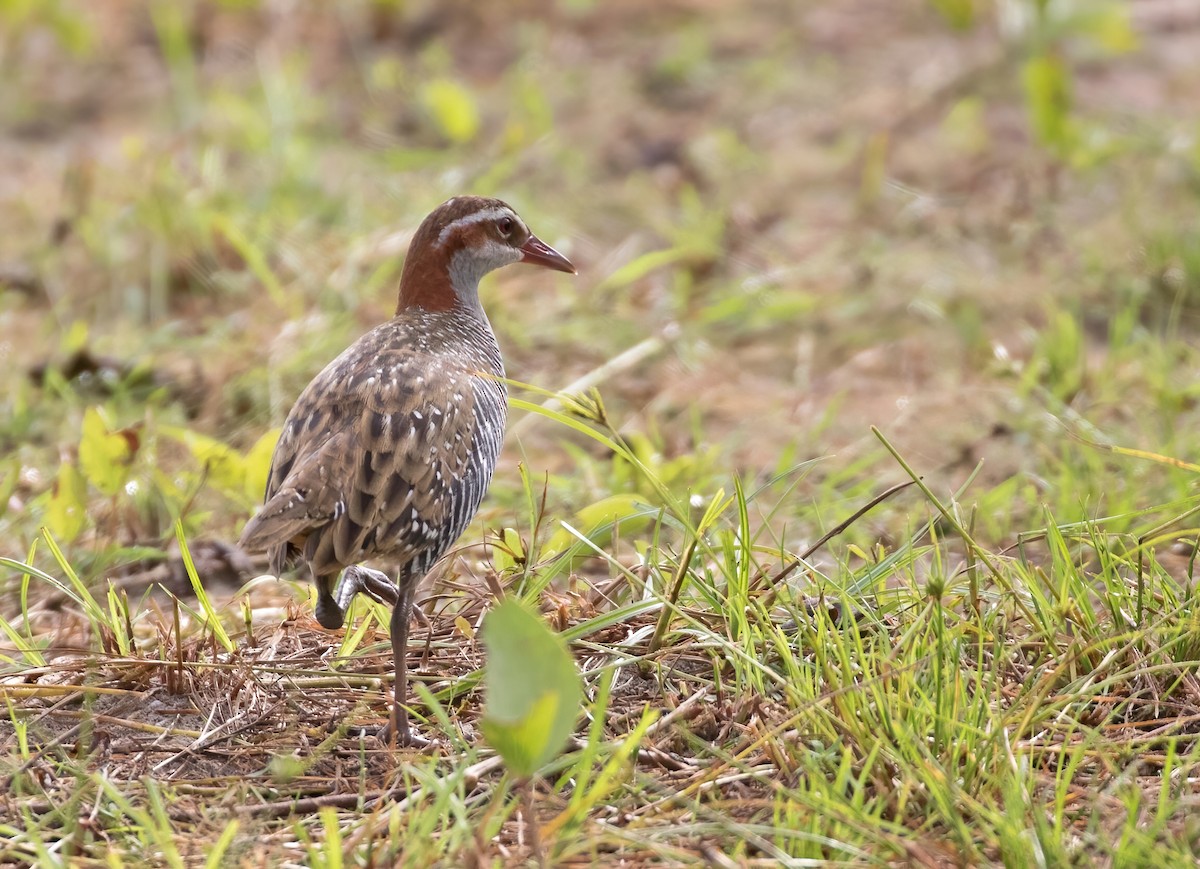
66, 515
453, 110
533, 690
352, 640
603, 515
225, 466
523, 743
104, 456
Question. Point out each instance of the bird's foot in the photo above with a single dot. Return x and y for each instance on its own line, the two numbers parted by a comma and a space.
408, 738
383, 732
375, 584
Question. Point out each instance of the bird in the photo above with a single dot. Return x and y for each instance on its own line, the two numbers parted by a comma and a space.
388, 452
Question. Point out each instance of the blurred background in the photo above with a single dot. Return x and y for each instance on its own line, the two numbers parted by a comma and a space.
971, 223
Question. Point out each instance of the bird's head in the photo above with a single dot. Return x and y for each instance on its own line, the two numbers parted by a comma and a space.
462, 240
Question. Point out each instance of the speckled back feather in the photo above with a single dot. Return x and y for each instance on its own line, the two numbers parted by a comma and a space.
397, 464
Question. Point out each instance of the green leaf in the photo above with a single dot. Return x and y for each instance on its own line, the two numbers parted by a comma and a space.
604, 515
523, 743
104, 456
533, 689
965, 127
874, 168
66, 516
286, 768
1048, 97
216, 854
1110, 26
72, 31
76, 337
508, 551
212, 620
639, 267
565, 419
453, 110
959, 14
225, 466
258, 464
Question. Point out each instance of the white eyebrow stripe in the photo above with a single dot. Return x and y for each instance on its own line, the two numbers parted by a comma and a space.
478, 217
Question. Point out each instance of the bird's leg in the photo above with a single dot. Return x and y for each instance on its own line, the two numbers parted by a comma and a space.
380, 588
399, 627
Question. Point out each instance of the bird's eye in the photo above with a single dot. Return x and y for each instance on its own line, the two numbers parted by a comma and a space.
506, 225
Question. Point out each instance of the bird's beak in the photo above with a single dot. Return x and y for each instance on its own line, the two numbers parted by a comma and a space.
539, 253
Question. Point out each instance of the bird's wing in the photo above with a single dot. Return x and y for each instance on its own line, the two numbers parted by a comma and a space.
369, 459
